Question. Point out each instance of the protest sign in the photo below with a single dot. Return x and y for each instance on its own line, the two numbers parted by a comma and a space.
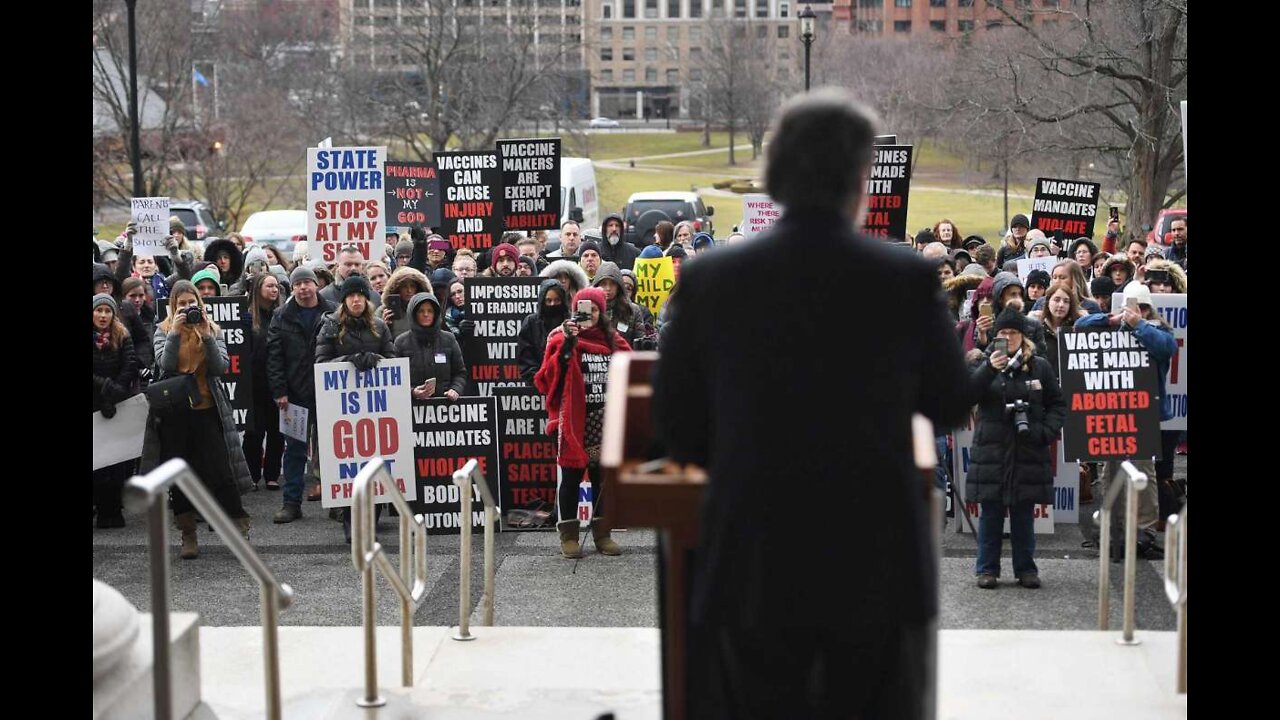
412, 195
120, 438
360, 416
654, 279
1173, 308
759, 213
1067, 205
470, 205
293, 422
498, 306
445, 436
530, 183
1026, 265
1066, 486
1110, 384
887, 191
151, 217
527, 457
1043, 514
231, 315
345, 197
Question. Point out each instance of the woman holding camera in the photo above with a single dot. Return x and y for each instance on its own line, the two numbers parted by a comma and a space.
573, 378
353, 334
204, 434
1020, 413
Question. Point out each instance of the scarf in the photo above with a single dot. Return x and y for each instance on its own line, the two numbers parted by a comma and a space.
561, 383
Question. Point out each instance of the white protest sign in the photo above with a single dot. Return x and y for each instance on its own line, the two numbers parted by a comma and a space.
360, 416
344, 200
120, 438
293, 422
1173, 308
151, 215
759, 213
1026, 265
1066, 487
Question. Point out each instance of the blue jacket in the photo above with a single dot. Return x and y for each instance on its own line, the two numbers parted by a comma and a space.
1157, 340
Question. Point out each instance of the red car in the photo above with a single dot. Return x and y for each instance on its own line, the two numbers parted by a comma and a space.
1163, 221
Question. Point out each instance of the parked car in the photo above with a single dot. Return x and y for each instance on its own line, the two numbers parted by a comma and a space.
1161, 230
646, 209
280, 228
603, 122
197, 217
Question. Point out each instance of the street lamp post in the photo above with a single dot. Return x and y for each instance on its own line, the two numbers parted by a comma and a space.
135, 154
806, 35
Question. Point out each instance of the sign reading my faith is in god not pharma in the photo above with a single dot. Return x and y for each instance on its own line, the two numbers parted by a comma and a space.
887, 191
470, 198
1067, 205
345, 197
759, 213
531, 183
360, 416
151, 216
413, 195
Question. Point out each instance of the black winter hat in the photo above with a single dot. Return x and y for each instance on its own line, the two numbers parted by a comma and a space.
1102, 286
974, 241
924, 237
1010, 319
1038, 277
1020, 219
355, 284
589, 245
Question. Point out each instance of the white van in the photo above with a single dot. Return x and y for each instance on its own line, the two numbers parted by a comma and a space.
578, 189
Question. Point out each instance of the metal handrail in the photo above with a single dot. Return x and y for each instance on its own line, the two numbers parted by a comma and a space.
1175, 584
466, 476
149, 492
1134, 481
367, 552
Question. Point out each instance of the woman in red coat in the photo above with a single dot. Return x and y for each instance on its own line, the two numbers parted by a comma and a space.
573, 377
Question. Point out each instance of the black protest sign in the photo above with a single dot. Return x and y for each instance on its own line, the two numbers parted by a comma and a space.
231, 315
445, 436
470, 198
1112, 393
887, 191
1067, 205
498, 306
531, 183
413, 194
527, 457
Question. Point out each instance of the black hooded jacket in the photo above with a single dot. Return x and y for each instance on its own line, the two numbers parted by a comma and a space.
433, 352
624, 253
531, 344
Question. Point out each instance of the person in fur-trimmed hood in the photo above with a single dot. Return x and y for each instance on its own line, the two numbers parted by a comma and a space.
958, 287
573, 379
1176, 280
569, 273
1120, 270
227, 257
403, 284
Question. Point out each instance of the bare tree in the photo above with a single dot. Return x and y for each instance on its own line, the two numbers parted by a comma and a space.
740, 78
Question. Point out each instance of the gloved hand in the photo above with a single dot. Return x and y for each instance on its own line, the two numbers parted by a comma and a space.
108, 409
364, 361
98, 384
418, 235
467, 328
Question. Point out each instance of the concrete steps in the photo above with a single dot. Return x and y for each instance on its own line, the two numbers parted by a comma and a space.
562, 673
125, 693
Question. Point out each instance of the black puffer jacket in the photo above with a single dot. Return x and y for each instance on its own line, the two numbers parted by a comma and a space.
358, 339
531, 344
114, 374
1005, 466
424, 345
291, 353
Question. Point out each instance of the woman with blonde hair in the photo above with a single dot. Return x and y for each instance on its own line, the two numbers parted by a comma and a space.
203, 434
1069, 273
1060, 311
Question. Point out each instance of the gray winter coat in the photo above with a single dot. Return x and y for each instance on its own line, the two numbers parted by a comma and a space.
216, 362
422, 351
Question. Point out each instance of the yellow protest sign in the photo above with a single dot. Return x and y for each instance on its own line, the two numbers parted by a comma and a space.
654, 279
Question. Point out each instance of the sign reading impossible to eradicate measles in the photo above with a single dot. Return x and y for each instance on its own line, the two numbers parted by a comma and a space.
531, 183
887, 191
654, 279
445, 436
470, 211
1110, 383
759, 213
498, 306
360, 416
528, 460
345, 197
412, 195
1067, 205
151, 215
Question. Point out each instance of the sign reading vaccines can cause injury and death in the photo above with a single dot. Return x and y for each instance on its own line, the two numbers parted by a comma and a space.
759, 213
361, 415
150, 216
498, 306
1067, 205
345, 197
471, 203
887, 190
530, 183
1110, 384
446, 435
412, 195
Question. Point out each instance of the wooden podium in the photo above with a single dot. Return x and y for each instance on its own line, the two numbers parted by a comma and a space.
644, 491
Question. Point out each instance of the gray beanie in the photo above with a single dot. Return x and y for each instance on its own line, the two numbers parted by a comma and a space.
404, 247
255, 254
300, 274
1038, 242
105, 299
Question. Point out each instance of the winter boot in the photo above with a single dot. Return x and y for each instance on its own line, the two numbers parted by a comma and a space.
600, 533
288, 513
569, 546
187, 524
244, 523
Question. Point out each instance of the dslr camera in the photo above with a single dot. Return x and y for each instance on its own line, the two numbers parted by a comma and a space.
1018, 408
194, 315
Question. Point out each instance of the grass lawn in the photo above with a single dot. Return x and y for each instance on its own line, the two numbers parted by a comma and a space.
622, 145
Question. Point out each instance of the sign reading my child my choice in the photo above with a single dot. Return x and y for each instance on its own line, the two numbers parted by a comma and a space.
345, 200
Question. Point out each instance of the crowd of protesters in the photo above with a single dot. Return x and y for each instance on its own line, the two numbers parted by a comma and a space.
409, 301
